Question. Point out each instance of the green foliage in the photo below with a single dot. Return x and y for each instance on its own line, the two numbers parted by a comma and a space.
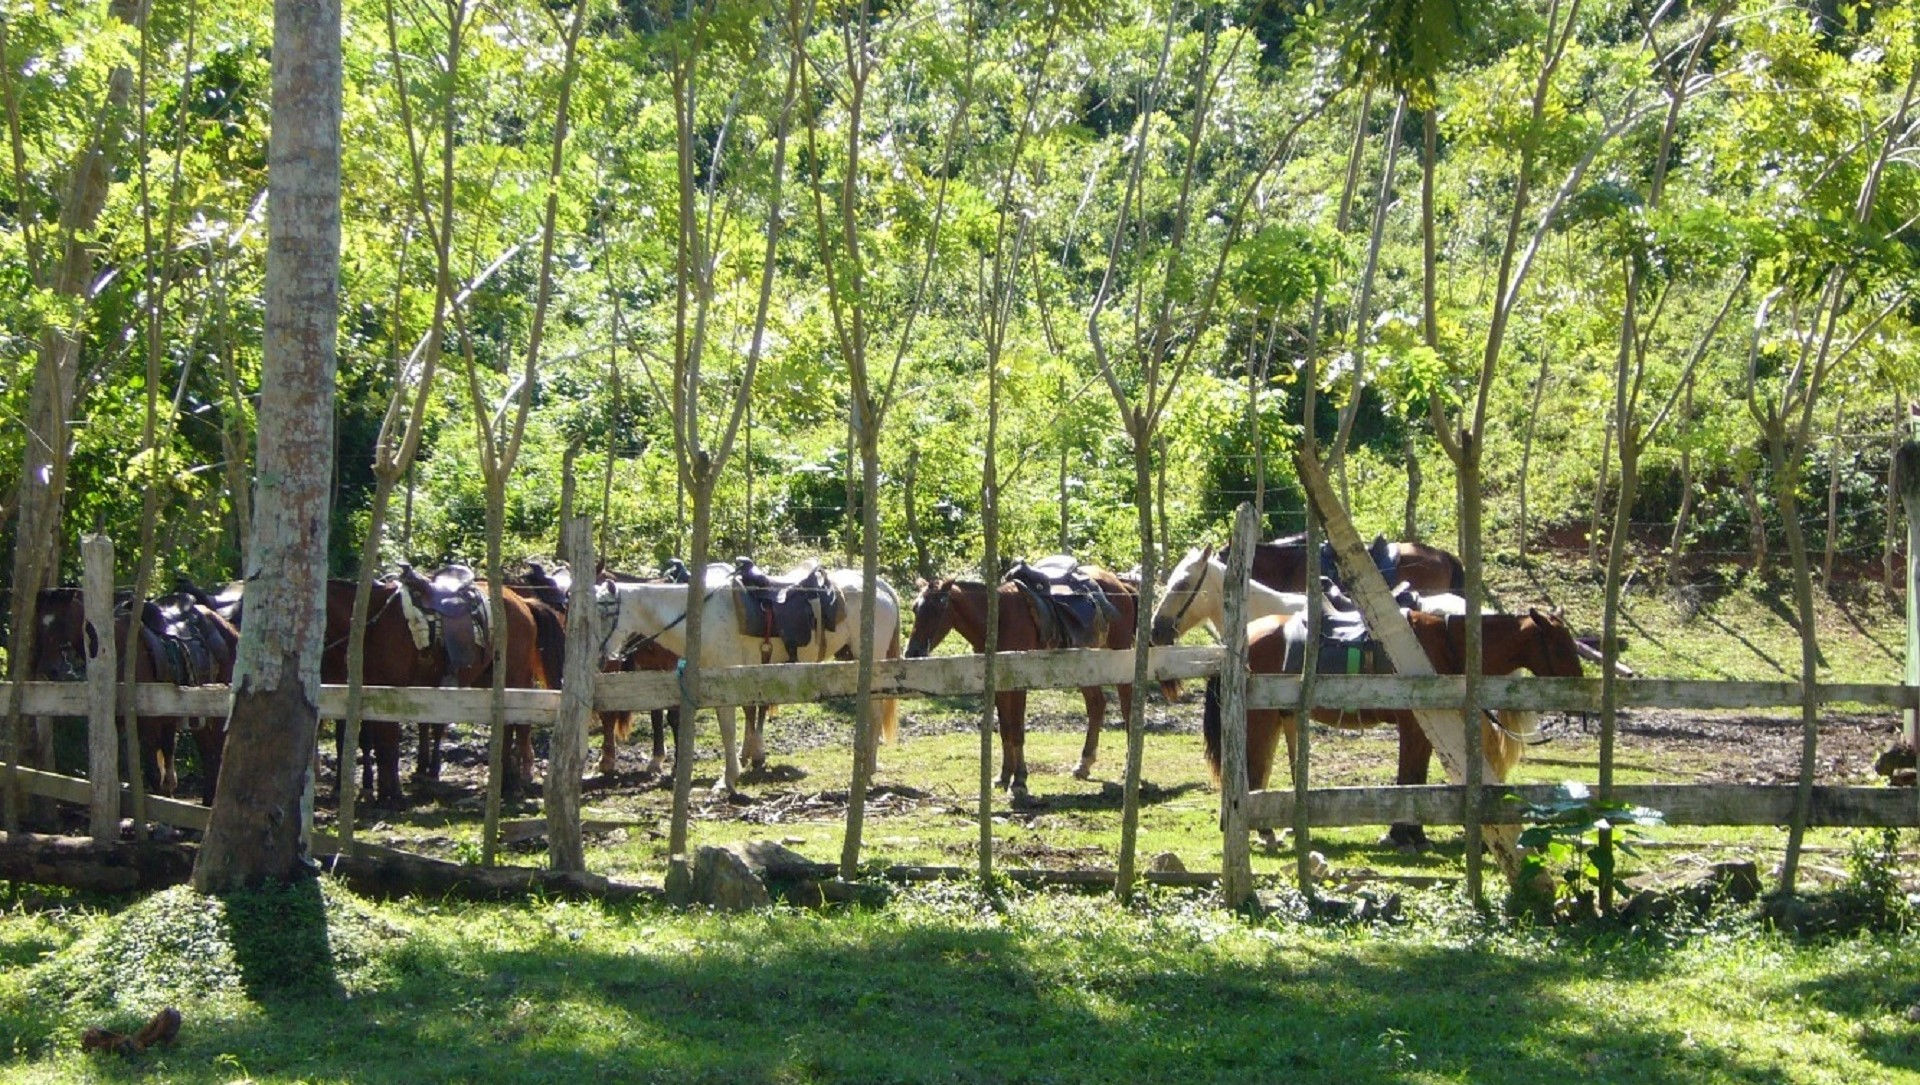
1556, 839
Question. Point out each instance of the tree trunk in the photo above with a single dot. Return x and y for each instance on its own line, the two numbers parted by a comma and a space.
1600, 490
1410, 518
254, 833
50, 404
1833, 494
1677, 548
1783, 491
1142, 639
1756, 521
866, 736
1526, 450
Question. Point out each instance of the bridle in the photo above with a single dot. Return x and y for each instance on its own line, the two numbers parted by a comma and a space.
1193, 593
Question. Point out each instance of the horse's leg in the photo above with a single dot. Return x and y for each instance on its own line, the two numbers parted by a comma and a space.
660, 719
520, 736
731, 779
1003, 713
1013, 732
753, 750
1416, 751
609, 752
1096, 699
1265, 728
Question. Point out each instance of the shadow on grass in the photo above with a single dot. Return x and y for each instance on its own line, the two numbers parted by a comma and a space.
1872, 990
964, 1002
280, 942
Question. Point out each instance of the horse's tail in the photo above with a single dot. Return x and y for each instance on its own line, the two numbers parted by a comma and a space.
890, 707
550, 636
1210, 726
1507, 741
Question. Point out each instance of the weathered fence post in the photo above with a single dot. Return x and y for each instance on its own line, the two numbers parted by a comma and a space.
1446, 729
568, 754
1906, 468
103, 675
1236, 869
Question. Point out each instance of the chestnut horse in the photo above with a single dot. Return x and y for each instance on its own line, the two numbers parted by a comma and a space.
961, 606
1282, 565
60, 654
395, 657
1534, 641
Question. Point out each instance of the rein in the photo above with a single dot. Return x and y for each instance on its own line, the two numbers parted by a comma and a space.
635, 642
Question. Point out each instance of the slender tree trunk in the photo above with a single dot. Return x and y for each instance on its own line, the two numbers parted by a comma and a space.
1410, 514
1783, 491
1890, 573
679, 870
1600, 488
1834, 450
1682, 520
42, 481
1756, 519
1526, 451
254, 832
1142, 634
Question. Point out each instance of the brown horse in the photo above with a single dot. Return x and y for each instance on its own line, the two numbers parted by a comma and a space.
1534, 641
1282, 565
181, 643
533, 654
961, 606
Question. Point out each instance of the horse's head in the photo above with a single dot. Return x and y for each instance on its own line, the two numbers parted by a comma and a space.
1192, 596
1550, 651
614, 624
65, 640
932, 617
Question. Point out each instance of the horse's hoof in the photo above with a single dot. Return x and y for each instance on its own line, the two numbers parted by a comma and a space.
1084, 772
1268, 840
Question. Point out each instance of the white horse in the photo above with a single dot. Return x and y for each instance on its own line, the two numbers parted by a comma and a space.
1196, 592
659, 612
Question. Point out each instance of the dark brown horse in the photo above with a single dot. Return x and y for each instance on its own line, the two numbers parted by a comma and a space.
178, 642
961, 606
1534, 641
1282, 565
530, 654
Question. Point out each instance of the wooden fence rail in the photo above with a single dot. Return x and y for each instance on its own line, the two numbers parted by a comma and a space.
1679, 804
956, 676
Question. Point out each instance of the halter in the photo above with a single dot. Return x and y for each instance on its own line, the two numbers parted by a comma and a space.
1192, 594
634, 641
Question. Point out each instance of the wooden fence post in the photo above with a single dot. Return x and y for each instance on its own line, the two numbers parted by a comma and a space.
103, 676
1236, 866
1447, 730
1906, 467
568, 754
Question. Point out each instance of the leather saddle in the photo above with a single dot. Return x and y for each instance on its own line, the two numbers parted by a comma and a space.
1344, 647
550, 586
1070, 607
1385, 555
188, 638
790, 609
454, 609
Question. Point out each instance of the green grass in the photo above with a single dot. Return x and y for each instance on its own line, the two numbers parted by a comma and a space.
317, 985
938, 986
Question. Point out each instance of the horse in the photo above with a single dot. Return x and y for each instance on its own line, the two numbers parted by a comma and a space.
179, 642
960, 606
548, 592
657, 612
1196, 592
1281, 564
536, 654
405, 648
1535, 641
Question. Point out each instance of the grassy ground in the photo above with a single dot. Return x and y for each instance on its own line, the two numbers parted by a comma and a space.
315, 984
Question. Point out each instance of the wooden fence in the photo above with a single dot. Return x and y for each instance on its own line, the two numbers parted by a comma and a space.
1685, 804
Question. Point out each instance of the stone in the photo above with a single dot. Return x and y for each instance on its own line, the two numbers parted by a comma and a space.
723, 881
1166, 863
771, 861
